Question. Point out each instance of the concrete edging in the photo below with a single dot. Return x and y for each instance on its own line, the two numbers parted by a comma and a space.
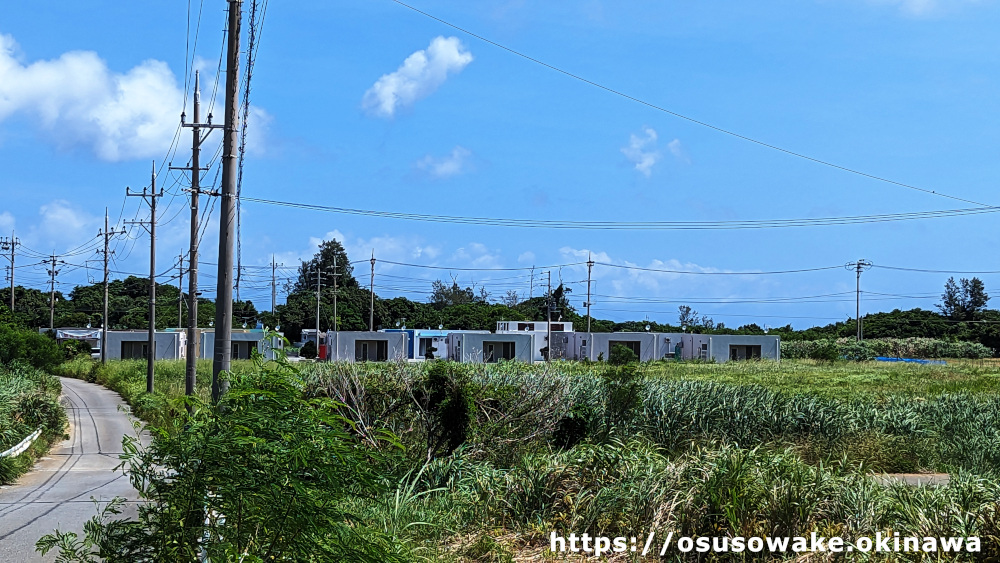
23, 446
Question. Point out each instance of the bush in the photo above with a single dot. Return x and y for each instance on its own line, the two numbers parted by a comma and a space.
280, 468
856, 351
38, 350
621, 355
824, 350
445, 396
308, 350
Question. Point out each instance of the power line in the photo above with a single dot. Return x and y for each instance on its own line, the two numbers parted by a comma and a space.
635, 225
685, 117
935, 271
687, 272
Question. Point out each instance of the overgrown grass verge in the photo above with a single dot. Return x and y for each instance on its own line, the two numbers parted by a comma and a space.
496, 457
128, 379
29, 399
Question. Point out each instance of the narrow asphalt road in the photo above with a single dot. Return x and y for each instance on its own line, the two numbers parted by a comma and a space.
57, 492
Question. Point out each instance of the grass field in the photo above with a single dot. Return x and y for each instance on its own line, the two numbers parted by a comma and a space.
751, 448
844, 380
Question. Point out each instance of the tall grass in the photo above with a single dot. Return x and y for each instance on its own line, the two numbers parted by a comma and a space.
29, 399
744, 448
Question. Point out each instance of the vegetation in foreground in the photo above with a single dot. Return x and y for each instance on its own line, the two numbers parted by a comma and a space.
29, 399
493, 458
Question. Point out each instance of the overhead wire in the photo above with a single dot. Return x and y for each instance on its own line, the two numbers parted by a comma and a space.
633, 225
686, 117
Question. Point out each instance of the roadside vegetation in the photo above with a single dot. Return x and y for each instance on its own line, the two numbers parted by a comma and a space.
29, 397
29, 400
461, 462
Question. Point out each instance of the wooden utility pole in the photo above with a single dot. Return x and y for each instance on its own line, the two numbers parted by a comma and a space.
195, 169
150, 197
274, 285
319, 286
336, 326
859, 266
10, 244
52, 262
222, 357
180, 290
371, 313
106, 234
590, 266
548, 324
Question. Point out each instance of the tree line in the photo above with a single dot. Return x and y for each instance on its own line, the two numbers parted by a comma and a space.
961, 315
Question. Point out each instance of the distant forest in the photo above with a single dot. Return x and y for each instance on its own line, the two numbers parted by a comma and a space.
961, 315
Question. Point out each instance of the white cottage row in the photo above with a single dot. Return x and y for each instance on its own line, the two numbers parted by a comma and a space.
172, 344
527, 343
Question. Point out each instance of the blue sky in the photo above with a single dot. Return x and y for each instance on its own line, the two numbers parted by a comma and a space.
370, 105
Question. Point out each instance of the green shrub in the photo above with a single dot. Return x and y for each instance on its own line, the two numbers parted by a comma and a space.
824, 350
38, 350
281, 468
621, 355
445, 395
308, 350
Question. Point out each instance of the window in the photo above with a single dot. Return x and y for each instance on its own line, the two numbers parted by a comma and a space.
744, 352
704, 351
493, 352
241, 350
427, 349
526, 326
135, 350
371, 351
633, 345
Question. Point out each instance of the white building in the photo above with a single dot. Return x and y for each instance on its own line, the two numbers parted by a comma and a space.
563, 339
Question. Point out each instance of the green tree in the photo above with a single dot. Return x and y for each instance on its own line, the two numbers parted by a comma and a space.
330, 251
962, 301
445, 296
268, 476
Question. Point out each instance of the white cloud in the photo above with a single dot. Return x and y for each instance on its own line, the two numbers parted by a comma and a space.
78, 100
6, 222
642, 151
919, 8
627, 281
419, 76
677, 149
476, 255
258, 125
452, 165
63, 223
526, 257
397, 249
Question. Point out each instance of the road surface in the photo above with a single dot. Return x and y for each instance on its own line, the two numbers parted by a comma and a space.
57, 492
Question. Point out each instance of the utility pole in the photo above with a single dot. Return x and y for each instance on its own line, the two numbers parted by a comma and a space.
531, 284
371, 314
180, 290
590, 266
11, 245
859, 266
227, 222
196, 141
274, 286
106, 234
52, 262
150, 198
319, 284
548, 323
336, 325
